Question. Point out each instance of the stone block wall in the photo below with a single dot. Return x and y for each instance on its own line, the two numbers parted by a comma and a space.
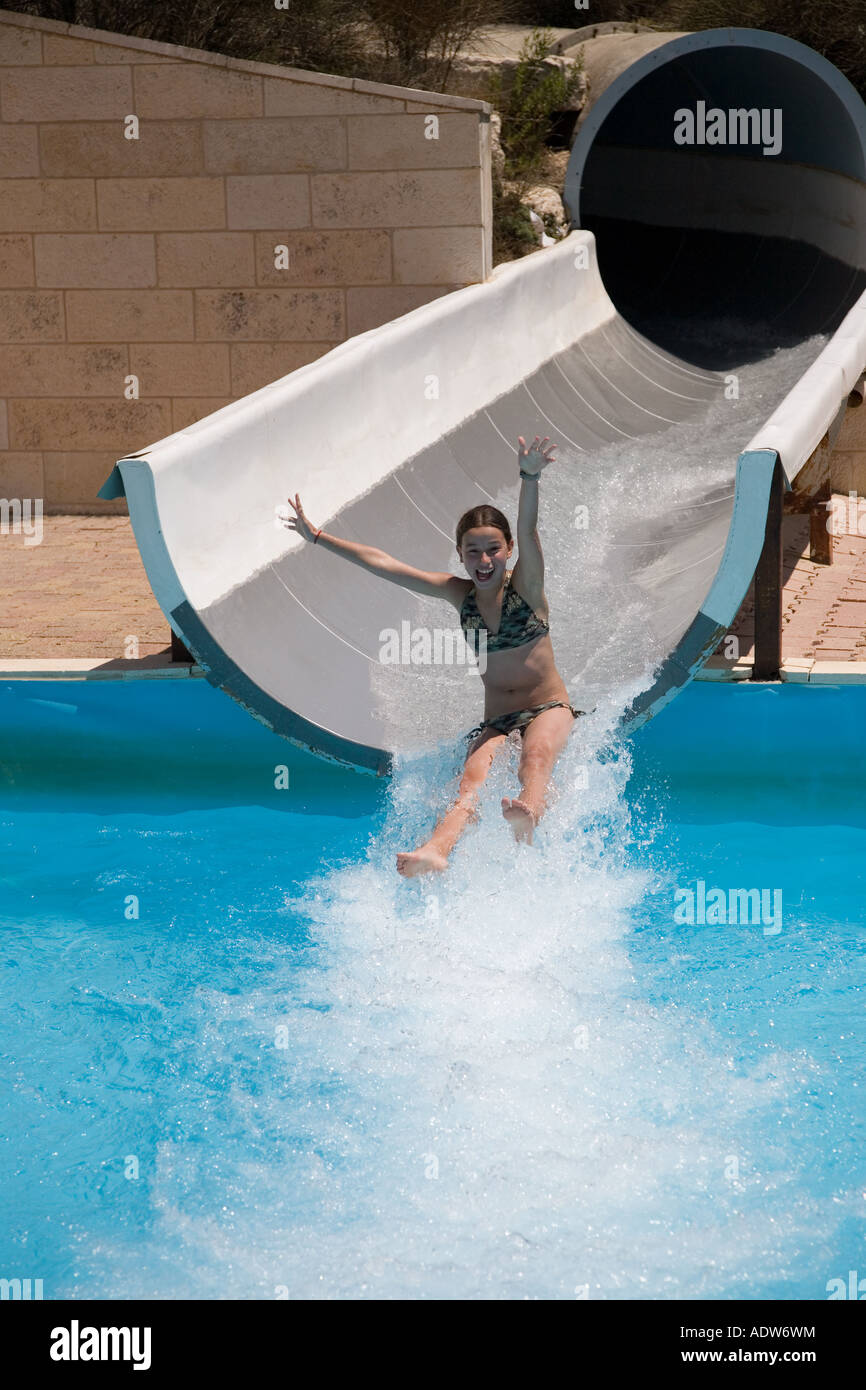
848, 459
261, 216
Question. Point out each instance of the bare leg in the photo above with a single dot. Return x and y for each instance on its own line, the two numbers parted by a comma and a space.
543, 742
433, 855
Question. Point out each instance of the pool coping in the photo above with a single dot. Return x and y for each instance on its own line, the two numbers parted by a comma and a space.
796, 670
799, 670
95, 668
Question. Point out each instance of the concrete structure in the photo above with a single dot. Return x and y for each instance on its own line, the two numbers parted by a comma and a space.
760, 196
606, 52
152, 263
545, 345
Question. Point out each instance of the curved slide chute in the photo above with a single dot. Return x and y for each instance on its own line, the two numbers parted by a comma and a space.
595, 341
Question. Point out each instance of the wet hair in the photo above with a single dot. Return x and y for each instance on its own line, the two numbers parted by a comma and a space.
485, 515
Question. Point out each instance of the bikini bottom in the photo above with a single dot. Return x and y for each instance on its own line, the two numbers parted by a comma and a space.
520, 719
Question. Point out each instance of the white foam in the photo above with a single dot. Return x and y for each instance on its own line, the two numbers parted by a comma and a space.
478, 1099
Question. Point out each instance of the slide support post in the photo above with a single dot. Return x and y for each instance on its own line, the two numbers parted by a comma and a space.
768, 588
820, 535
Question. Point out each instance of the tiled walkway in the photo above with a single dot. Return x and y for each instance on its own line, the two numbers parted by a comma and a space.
82, 592
82, 595
824, 606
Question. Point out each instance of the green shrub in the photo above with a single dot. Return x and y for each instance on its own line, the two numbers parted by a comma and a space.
513, 232
527, 102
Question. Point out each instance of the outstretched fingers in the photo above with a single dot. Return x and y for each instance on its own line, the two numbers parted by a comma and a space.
542, 447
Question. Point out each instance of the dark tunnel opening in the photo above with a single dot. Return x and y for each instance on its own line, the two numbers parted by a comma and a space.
712, 248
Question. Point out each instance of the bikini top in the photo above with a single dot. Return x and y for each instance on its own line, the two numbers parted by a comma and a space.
517, 625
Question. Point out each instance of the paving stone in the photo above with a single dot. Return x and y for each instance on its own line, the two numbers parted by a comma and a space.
823, 606
849, 614
79, 594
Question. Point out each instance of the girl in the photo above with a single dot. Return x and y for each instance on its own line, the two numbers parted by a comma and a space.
522, 687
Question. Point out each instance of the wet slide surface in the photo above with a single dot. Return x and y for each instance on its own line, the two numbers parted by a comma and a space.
596, 400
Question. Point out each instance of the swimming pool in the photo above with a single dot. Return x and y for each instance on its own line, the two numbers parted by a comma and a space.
242, 1059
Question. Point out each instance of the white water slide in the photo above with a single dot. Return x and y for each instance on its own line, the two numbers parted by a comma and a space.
687, 267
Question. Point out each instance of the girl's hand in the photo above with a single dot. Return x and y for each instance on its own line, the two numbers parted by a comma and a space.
536, 457
299, 521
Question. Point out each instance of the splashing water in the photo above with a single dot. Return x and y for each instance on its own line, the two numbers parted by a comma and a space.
477, 1098
603, 621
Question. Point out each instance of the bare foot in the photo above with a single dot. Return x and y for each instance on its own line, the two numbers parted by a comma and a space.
421, 861
520, 818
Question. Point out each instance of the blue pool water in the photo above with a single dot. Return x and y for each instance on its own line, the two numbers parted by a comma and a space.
241, 1058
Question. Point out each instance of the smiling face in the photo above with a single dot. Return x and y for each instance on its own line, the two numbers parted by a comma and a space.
485, 553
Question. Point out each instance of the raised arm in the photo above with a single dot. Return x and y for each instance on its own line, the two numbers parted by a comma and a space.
528, 577
431, 583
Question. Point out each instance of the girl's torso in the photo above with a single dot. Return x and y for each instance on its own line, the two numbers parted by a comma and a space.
519, 670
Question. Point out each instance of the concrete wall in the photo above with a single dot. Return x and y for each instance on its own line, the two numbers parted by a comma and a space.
847, 462
155, 257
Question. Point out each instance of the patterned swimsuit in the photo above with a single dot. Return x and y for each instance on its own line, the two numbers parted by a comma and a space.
518, 625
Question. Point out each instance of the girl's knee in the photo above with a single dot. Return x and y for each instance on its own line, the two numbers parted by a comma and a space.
538, 758
470, 788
